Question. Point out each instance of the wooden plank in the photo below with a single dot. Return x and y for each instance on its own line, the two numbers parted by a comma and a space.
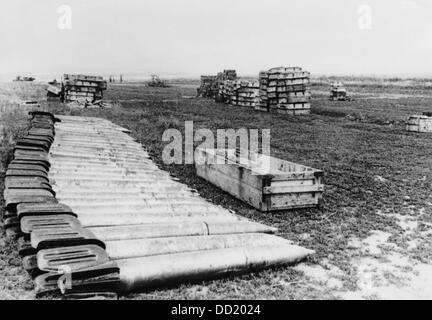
293, 189
232, 185
282, 185
293, 201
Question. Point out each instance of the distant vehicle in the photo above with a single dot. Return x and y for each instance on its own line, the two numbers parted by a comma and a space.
28, 79
157, 82
338, 92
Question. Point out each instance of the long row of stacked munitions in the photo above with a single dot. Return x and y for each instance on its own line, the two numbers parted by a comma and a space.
284, 90
281, 90
82, 87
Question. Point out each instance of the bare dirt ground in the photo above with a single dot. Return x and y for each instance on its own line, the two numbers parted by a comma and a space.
373, 236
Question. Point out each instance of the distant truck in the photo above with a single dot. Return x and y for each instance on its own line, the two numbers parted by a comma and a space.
338, 92
27, 79
157, 82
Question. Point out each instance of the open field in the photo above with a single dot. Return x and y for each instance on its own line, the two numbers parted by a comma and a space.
372, 237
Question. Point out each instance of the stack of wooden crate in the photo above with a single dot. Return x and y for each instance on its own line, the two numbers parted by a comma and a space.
246, 94
228, 74
241, 93
210, 85
226, 91
284, 90
207, 87
419, 123
82, 87
262, 104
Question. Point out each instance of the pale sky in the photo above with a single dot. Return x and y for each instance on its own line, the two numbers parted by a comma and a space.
193, 37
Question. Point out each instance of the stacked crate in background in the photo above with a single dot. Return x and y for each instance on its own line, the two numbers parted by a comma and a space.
210, 85
420, 123
226, 91
241, 93
82, 87
222, 79
262, 104
207, 87
246, 94
229, 74
284, 90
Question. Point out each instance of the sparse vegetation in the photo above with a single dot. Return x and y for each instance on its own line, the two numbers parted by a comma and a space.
15, 283
352, 153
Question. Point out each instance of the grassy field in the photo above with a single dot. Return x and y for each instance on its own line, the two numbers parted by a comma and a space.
372, 237
15, 283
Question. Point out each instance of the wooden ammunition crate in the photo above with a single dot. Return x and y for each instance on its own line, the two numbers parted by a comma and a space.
294, 112
280, 185
419, 123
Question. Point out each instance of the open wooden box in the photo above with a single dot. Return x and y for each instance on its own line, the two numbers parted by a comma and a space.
264, 182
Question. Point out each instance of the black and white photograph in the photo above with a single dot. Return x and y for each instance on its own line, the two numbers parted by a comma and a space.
215, 155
